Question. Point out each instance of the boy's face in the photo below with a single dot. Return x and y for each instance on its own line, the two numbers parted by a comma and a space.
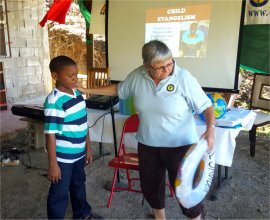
67, 78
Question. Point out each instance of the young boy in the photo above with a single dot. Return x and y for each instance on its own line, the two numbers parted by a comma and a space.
67, 142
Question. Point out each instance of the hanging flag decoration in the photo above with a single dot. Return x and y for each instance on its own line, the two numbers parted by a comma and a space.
87, 16
57, 12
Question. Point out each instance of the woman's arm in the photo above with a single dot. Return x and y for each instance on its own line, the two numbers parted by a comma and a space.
209, 134
109, 90
209, 116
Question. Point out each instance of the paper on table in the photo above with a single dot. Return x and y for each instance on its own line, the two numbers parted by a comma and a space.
234, 117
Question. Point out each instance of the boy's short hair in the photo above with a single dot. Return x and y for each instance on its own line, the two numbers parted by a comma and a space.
58, 63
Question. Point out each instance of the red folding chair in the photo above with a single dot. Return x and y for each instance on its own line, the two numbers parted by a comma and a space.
126, 160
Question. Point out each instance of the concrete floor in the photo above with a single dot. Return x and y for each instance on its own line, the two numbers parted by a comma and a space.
10, 124
24, 187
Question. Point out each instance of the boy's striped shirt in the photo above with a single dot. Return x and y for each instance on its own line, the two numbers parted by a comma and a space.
66, 117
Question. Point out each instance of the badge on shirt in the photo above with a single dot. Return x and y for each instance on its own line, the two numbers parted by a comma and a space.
170, 87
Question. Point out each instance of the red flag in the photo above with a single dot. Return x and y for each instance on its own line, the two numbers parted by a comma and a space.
57, 12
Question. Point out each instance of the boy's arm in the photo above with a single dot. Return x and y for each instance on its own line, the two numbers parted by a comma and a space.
109, 90
54, 172
88, 157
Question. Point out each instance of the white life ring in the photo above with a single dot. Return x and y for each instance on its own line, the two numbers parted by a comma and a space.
187, 194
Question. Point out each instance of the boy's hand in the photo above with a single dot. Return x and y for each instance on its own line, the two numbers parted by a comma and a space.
54, 173
88, 157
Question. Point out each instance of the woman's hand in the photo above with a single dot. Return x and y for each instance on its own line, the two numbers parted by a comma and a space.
209, 136
79, 86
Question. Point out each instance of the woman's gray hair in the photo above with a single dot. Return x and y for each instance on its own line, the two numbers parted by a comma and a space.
155, 51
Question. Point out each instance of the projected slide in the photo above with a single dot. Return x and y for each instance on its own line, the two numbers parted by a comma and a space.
183, 29
203, 35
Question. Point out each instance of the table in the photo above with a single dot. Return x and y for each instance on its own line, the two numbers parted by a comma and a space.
35, 130
100, 123
101, 130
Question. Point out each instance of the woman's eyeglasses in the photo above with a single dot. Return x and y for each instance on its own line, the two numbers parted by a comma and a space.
163, 68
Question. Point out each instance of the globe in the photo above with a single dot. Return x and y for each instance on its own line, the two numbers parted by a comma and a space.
219, 104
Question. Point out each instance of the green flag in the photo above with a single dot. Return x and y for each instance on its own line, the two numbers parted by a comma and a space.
86, 14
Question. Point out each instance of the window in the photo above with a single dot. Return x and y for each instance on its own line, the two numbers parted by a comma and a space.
4, 35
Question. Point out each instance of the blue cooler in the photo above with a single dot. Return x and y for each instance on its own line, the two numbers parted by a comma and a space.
126, 106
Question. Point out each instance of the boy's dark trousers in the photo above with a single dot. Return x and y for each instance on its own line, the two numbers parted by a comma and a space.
72, 183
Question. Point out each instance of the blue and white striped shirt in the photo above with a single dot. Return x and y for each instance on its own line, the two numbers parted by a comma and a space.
66, 117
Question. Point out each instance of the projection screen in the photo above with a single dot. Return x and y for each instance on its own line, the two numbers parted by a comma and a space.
214, 61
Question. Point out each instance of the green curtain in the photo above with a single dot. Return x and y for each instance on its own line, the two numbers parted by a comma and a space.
255, 48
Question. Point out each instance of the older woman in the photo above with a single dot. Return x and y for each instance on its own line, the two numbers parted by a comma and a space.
164, 96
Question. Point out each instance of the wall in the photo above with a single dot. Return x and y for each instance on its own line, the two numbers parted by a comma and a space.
26, 72
97, 23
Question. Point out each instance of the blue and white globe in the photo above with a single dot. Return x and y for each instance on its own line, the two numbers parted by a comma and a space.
219, 105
